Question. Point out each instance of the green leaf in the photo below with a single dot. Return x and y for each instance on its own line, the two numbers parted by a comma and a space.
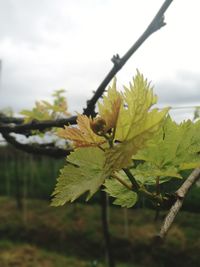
174, 148
44, 110
47, 105
147, 173
136, 123
26, 112
161, 149
39, 112
84, 173
124, 196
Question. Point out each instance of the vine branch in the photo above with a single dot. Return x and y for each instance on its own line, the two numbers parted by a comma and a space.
115, 176
132, 179
180, 195
156, 24
6, 119
47, 150
33, 125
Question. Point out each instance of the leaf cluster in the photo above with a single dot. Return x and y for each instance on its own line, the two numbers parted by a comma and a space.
127, 129
43, 110
124, 124
173, 149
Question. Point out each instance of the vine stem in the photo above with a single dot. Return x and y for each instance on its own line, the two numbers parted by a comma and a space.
50, 151
17, 125
180, 195
136, 186
158, 185
141, 188
106, 232
122, 182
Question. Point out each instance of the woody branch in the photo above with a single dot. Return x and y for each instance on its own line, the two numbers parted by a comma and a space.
180, 196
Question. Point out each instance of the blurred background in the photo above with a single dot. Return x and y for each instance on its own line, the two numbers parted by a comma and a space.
47, 45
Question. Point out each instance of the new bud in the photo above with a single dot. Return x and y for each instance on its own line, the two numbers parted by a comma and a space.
98, 125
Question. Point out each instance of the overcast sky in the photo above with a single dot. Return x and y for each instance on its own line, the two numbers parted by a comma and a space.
51, 44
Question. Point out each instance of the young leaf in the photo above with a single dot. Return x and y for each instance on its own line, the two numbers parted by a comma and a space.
147, 173
174, 148
82, 135
44, 110
84, 173
110, 107
39, 112
60, 105
124, 196
136, 123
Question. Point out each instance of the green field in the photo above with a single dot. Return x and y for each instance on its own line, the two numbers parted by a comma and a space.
24, 255
41, 235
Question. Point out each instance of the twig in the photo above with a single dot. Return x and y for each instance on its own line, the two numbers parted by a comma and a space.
6, 119
36, 125
114, 175
156, 24
37, 149
132, 179
105, 225
180, 193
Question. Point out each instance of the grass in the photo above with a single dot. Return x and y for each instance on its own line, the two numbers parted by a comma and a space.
72, 236
26, 255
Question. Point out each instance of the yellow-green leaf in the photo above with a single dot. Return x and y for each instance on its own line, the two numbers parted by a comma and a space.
110, 106
82, 135
83, 173
123, 196
174, 147
147, 173
136, 124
